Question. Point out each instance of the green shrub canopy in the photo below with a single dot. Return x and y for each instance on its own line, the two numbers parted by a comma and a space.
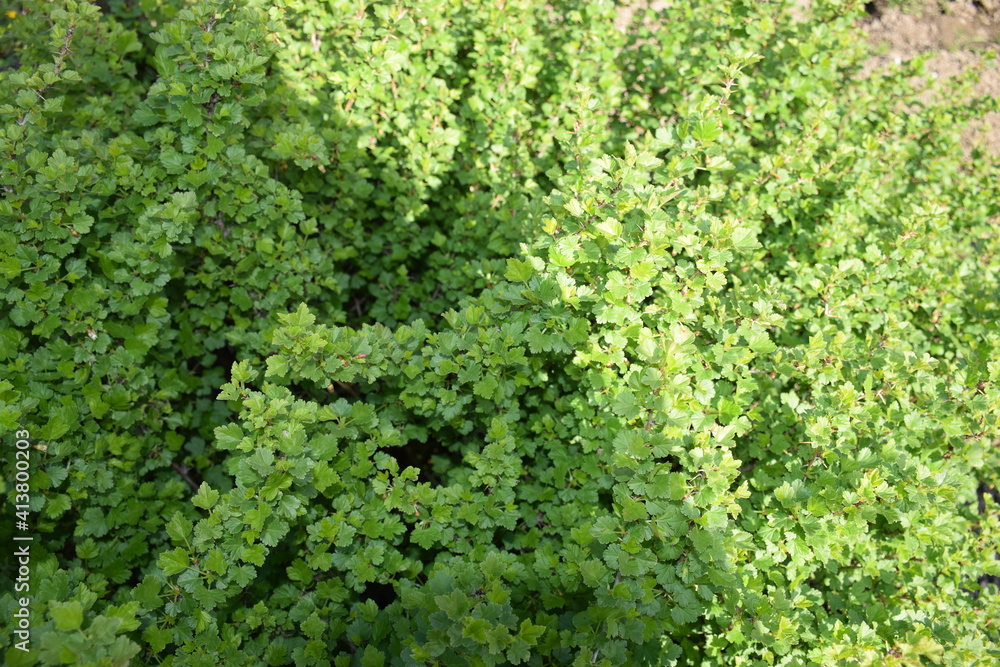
479, 333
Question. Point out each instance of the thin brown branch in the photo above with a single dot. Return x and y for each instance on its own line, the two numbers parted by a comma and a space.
183, 472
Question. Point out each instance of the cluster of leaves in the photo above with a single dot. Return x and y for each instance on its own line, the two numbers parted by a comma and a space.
546, 342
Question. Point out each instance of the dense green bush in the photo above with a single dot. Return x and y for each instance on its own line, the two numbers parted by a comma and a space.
480, 333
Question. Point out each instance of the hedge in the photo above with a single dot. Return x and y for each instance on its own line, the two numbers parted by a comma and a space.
450, 332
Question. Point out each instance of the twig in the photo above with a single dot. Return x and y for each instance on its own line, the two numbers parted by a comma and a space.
618, 580
182, 471
347, 387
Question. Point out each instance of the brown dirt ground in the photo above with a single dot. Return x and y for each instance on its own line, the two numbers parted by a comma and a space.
958, 33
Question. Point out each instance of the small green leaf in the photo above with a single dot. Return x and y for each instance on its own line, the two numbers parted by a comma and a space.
179, 527
174, 562
372, 657
228, 436
519, 271
610, 228
706, 131
206, 497
67, 615
574, 207
744, 239
476, 629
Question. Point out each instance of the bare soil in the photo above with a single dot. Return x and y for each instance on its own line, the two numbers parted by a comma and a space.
958, 33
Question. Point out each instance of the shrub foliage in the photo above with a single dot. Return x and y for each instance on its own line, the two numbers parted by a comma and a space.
481, 333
